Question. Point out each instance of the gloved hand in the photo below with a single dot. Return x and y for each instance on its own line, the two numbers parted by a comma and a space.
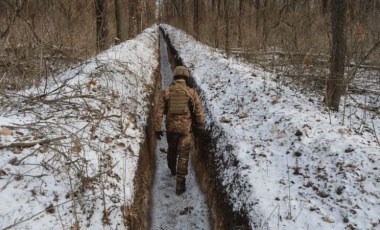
159, 134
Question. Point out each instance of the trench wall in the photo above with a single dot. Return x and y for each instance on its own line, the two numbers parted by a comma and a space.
138, 214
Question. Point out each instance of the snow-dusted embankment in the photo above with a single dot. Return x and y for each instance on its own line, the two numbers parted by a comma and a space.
284, 161
94, 119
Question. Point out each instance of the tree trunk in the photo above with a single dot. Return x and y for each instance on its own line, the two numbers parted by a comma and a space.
139, 16
183, 14
196, 18
258, 16
335, 83
101, 29
240, 33
119, 22
216, 33
227, 25
265, 27
132, 18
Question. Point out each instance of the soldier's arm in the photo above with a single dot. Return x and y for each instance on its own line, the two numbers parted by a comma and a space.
159, 111
198, 112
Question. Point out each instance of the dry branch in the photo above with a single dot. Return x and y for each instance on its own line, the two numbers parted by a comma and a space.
30, 143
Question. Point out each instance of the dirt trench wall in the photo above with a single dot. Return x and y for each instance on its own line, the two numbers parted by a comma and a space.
209, 169
137, 216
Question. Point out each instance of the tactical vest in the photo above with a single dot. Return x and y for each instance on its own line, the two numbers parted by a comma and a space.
178, 99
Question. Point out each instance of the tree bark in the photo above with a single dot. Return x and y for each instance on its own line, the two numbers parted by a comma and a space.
325, 4
335, 83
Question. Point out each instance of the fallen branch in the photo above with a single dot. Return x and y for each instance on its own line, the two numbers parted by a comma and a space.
30, 143
357, 90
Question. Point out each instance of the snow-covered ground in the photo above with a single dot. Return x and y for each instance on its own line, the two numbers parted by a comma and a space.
98, 111
284, 158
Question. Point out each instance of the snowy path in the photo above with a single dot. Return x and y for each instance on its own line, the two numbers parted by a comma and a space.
169, 211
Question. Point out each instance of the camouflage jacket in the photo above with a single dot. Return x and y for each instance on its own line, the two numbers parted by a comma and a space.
179, 123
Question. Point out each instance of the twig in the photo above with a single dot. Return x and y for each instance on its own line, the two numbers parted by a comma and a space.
374, 131
17, 162
37, 214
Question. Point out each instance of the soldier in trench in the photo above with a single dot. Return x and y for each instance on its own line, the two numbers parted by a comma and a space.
184, 114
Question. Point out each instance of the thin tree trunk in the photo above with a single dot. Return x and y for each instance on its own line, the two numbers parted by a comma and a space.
183, 14
216, 34
335, 83
265, 27
132, 18
139, 15
240, 33
101, 30
119, 23
227, 25
196, 18
258, 17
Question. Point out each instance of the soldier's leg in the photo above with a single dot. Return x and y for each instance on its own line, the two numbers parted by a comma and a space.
172, 152
184, 146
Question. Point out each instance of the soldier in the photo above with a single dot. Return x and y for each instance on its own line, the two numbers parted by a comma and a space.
183, 110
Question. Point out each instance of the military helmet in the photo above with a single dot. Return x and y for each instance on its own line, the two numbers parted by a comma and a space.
181, 71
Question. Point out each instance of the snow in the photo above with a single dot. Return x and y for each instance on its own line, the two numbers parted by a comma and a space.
102, 126
284, 158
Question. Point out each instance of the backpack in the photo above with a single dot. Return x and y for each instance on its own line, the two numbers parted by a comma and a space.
180, 101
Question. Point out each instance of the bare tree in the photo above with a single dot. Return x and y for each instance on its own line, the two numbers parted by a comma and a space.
335, 83
101, 29
196, 18
227, 25
132, 18
240, 32
216, 32
121, 21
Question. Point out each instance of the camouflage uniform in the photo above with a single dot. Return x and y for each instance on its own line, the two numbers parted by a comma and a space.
179, 127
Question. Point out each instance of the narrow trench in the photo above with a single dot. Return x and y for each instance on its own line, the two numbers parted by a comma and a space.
206, 203
168, 210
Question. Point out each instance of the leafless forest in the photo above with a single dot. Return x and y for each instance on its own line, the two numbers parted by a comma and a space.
39, 38
292, 37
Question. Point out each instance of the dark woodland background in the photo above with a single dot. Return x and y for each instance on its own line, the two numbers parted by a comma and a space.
292, 37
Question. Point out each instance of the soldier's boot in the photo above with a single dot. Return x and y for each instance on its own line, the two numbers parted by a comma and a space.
173, 171
181, 185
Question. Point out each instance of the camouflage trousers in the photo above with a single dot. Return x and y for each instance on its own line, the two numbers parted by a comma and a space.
179, 146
